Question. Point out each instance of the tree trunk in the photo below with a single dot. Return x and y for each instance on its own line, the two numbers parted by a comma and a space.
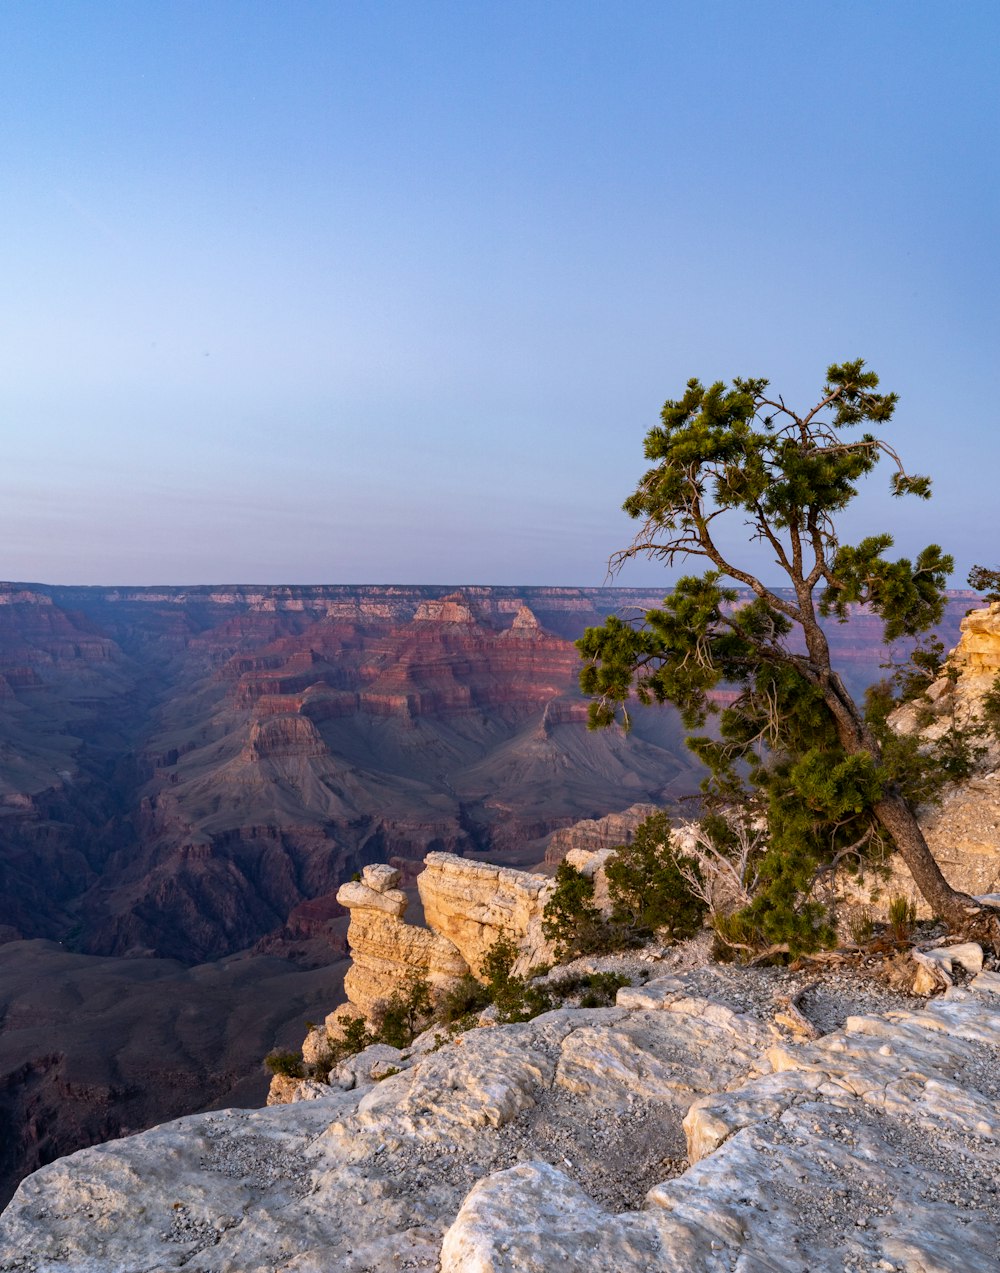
955, 908
959, 911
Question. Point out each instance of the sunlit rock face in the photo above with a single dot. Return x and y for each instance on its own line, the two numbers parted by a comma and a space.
474, 904
386, 952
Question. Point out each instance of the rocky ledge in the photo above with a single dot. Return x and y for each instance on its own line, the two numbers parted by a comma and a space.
680, 1131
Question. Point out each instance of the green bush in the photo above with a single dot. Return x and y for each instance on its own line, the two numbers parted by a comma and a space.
463, 1000
355, 1037
902, 917
401, 1015
647, 890
570, 919
288, 1064
596, 989
737, 937
514, 997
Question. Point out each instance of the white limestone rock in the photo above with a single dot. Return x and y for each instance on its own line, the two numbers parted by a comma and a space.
557, 1145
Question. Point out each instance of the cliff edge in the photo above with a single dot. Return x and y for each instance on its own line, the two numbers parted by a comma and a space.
679, 1131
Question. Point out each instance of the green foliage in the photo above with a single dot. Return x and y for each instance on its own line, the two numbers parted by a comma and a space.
517, 998
925, 664
513, 996
595, 989
465, 999
821, 767
402, 1013
737, 937
902, 917
355, 1036
862, 926
647, 890
985, 581
571, 920
288, 1064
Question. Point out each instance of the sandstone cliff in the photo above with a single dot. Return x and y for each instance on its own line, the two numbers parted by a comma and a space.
467, 906
386, 952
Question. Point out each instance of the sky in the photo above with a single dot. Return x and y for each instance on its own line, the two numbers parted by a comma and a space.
391, 292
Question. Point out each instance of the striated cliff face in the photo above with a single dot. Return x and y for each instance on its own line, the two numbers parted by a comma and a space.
594, 834
466, 906
386, 952
474, 904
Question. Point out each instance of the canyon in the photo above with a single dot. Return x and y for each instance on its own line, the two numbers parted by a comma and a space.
188, 776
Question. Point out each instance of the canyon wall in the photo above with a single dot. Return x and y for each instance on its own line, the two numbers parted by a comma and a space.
182, 769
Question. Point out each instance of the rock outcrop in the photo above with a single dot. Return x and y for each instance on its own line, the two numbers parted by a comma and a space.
386, 952
593, 834
670, 1132
473, 904
467, 907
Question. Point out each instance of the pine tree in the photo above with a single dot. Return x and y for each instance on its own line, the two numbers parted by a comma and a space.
838, 786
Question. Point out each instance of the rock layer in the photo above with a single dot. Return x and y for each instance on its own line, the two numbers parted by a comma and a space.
593, 834
387, 953
473, 904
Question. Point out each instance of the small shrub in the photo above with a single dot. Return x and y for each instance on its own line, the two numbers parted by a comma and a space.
737, 938
463, 1000
514, 998
596, 989
647, 888
861, 926
902, 917
355, 1037
288, 1064
402, 1013
571, 920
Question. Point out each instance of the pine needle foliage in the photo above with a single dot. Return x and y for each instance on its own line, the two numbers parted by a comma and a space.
985, 581
647, 890
570, 919
837, 788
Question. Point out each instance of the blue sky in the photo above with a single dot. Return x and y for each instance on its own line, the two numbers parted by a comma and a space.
390, 292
